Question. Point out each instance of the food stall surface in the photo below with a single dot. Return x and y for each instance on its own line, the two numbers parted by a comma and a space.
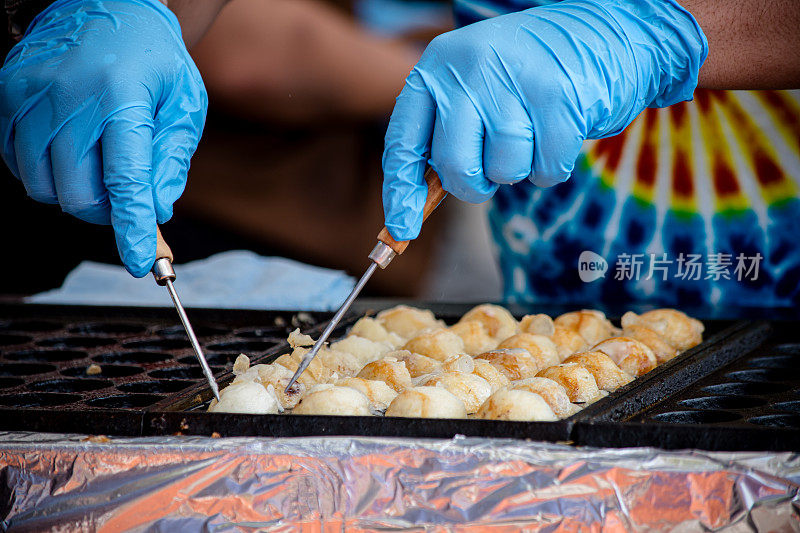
73, 482
389, 473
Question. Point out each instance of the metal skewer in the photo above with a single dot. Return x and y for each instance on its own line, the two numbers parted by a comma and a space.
165, 275
383, 253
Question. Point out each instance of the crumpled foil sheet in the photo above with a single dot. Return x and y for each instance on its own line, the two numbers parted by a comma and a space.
69, 483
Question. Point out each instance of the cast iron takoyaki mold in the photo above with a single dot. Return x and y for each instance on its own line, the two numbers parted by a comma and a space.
739, 389
50, 357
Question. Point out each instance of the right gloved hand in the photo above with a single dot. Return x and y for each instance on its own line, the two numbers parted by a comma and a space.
101, 108
514, 97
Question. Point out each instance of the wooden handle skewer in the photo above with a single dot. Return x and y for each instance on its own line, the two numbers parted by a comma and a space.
163, 250
386, 248
165, 275
435, 196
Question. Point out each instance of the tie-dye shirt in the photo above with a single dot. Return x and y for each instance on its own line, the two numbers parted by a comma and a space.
694, 204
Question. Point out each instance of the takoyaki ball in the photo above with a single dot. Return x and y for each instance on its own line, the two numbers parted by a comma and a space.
329, 399
416, 364
248, 397
363, 349
521, 405
678, 329
632, 356
540, 347
568, 342
579, 383
372, 329
279, 376
343, 364
553, 393
607, 374
499, 323
471, 389
314, 374
459, 363
408, 321
515, 364
475, 336
274, 378
427, 402
440, 344
592, 325
379, 393
307, 379
662, 350
389, 370
540, 324
491, 374
322, 373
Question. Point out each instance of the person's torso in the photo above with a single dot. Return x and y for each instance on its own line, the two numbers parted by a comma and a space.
698, 203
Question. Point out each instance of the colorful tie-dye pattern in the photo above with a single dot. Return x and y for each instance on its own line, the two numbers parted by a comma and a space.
718, 175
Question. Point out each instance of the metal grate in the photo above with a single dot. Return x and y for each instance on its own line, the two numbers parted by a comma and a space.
760, 389
44, 363
738, 390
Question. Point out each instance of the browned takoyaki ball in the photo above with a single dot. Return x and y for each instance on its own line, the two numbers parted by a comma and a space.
471, 389
475, 336
417, 364
408, 321
316, 372
514, 364
632, 356
389, 370
427, 402
499, 323
364, 350
553, 393
439, 344
328, 399
662, 349
540, 347
380, 395
607, 374
510, 404
678, 329
372, 329
590, 324
490, 373
567, 341
579, 383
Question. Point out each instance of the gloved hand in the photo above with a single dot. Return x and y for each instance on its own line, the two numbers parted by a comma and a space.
101, 109
514, 97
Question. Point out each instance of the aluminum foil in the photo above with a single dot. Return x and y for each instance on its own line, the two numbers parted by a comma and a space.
68, 483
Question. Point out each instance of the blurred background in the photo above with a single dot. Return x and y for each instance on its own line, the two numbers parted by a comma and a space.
290, 161
290, 165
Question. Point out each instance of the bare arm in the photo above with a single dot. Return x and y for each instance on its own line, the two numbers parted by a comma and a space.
298, 61
753, 44
195, 16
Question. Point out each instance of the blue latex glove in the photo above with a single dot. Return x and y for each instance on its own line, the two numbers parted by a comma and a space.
101, 109
515, 96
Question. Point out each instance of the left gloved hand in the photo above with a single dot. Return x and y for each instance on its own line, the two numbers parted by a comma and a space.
101, 109
515, 96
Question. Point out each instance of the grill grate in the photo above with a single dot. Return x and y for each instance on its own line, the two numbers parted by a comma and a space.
44, 363
762, 388
738, 390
